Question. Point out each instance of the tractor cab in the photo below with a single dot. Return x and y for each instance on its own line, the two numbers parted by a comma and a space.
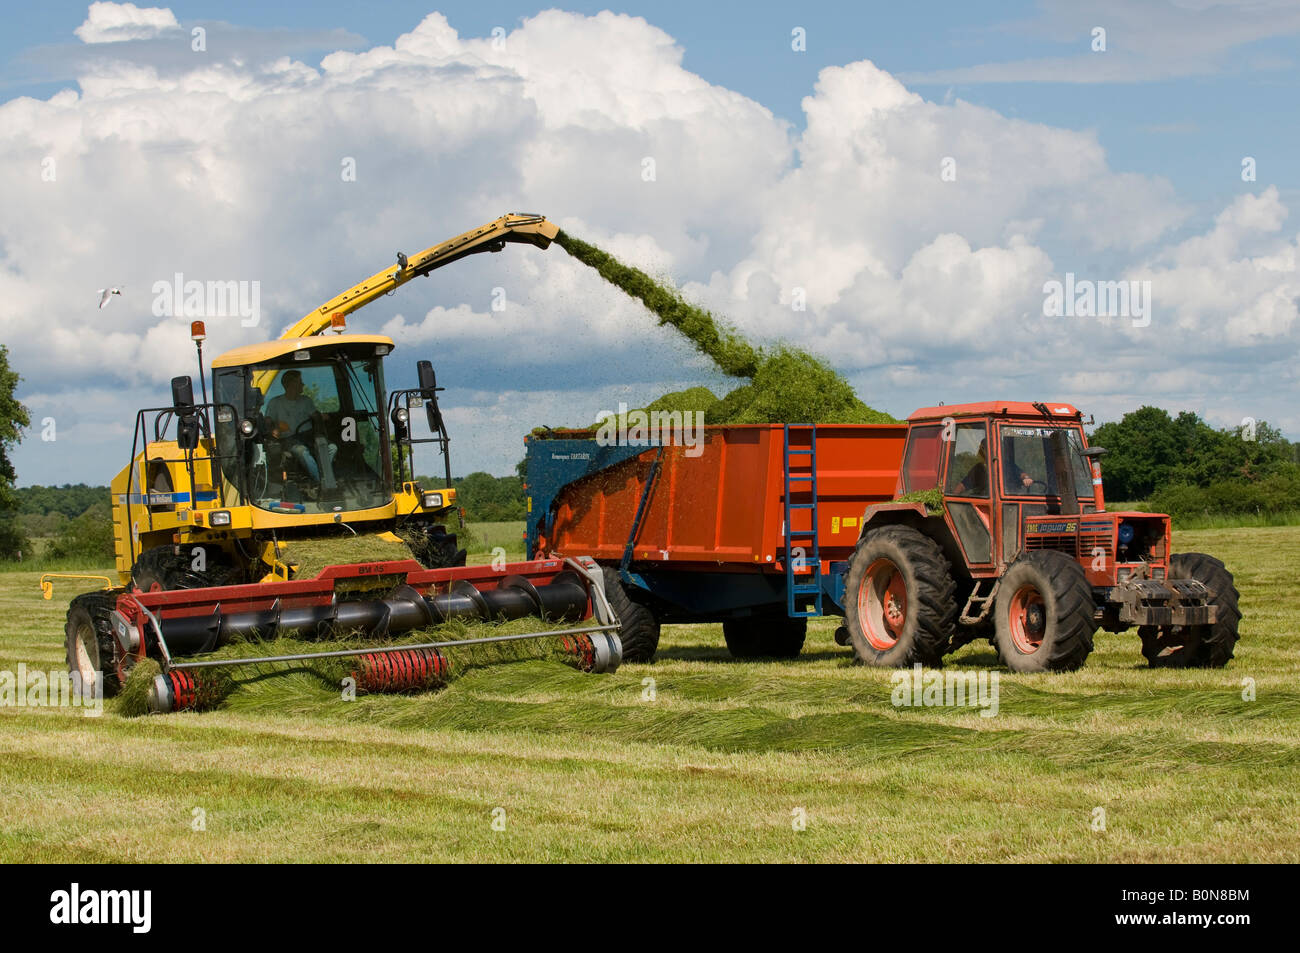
299, 424
1017, 477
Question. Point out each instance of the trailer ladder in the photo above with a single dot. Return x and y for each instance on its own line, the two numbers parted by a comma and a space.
795, 589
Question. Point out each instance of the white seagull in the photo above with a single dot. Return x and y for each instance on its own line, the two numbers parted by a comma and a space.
106, 293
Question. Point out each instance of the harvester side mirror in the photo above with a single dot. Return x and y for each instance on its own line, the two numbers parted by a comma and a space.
187, 421
1097, 452
429, 387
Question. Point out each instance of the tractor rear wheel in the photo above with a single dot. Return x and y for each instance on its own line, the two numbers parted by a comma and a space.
1201, 646
899, 599
639, 629
774, 636
1044, 614
89, 641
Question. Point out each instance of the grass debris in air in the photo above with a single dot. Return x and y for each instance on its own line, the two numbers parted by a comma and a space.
786, 384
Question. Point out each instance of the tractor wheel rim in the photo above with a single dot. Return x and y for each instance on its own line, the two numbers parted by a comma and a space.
1028, 619
882, 604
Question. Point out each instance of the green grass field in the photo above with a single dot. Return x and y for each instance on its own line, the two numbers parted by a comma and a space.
718, 763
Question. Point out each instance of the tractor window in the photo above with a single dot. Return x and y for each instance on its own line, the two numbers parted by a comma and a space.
921, 463
1082, 472
1027, 462
968, 463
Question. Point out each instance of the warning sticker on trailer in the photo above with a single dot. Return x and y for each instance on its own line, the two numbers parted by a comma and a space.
835, 524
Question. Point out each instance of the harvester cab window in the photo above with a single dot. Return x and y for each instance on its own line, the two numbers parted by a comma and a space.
968, 463
311, 441
921, 463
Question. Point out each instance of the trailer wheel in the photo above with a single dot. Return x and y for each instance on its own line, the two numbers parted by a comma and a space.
1207, 646
89, 639
1044, 614
639, 630
765, 636
899, 603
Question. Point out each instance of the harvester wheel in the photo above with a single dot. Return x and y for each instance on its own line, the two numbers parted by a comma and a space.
436, 548
1207, 646
90, 645
775, 636
899, 599
1044, 614
163, 568
640, 629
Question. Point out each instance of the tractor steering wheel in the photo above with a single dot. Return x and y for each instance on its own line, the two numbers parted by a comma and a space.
1038, 488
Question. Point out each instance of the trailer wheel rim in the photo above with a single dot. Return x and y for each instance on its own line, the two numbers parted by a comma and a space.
1027, 619
882, 604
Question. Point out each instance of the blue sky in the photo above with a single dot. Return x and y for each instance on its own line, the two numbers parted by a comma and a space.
1181, 94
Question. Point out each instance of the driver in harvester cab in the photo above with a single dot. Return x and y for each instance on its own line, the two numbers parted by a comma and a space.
289, 413
976, 480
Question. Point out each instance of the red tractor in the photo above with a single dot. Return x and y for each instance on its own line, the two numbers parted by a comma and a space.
1000, 531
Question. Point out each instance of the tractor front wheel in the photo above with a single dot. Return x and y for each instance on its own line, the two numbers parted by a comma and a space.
1200, 646
899, 604
1044, 614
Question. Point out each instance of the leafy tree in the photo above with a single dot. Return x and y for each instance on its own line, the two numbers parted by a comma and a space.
1183, 464
13, 418
89, 537
1146, 450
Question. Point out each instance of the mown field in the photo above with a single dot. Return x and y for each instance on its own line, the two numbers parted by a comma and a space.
718, 763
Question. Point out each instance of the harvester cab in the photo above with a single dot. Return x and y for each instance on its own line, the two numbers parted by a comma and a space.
1000, 530
295, 446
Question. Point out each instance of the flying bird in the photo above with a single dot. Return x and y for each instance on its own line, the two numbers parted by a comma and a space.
106, 293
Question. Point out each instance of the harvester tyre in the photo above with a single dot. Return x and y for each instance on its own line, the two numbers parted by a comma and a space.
164, 568
639, 629
89, 639
1044, 614
436, 548
900, 602
776, 636
1214, 645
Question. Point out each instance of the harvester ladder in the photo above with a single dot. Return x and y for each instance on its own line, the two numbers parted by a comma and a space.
797, 479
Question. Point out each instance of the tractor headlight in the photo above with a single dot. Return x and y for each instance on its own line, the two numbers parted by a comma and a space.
432, 501
247, 427
219, 518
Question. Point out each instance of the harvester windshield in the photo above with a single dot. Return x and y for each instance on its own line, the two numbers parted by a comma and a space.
307, 436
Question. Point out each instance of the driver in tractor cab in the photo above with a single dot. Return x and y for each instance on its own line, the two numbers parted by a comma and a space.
289, 413
976, 480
